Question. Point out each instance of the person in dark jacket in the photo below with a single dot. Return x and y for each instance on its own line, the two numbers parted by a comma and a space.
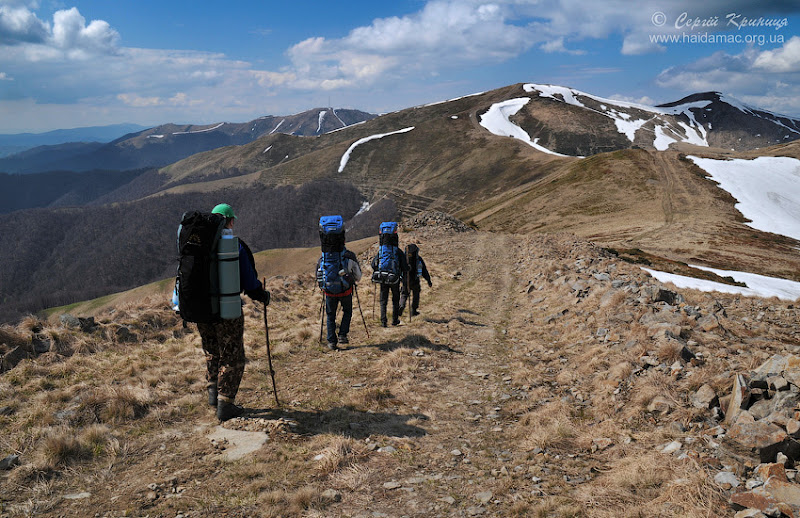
223, 341
351, 272
416, 269
395, 288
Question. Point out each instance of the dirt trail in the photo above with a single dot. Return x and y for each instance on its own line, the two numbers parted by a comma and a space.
449, 451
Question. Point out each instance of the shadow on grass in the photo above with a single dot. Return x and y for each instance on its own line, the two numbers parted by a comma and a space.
458, 319
346, 421
408, 342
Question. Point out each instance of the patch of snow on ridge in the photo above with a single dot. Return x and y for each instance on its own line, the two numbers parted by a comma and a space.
270, 147
346, 126
761, 284
155, 136
662, 140
757, 285
364, 208
453, 99
278, 126
337, 117
496, 120
767, 190
198, 131
695, 133
346, 156
320, 118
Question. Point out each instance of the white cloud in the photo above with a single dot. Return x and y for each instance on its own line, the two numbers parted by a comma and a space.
5, 77
557, 45
763, 78
50, 66
18, 24
781, 60
70, 32
137, 101
645, 100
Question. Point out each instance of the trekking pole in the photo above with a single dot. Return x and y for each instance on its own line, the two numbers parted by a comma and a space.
359, 310
269, 353
321, 315
374, 289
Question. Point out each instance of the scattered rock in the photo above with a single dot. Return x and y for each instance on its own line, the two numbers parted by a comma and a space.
331, 495
705, 397
432, 218
13, 357
9, 462
671, 447
68, 320
726, 479
124, 334
78, 496
484, 497
41, 343
660, 405
601, 443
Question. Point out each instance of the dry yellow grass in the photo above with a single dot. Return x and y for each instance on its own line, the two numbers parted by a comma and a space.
481, 392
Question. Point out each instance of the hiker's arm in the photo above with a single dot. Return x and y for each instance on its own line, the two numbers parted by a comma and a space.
354, 269
248, 279
425, 274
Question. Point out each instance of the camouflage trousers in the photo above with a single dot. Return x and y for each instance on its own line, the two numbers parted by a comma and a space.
223, 344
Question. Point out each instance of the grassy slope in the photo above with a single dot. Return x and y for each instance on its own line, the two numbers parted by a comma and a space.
657, 202
522, 398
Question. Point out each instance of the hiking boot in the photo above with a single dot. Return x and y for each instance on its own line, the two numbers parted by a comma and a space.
212, 395
332, 346
383, 323
396, 322
414, 313
227, 410
343, 339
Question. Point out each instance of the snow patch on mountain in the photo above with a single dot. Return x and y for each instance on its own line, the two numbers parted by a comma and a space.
497, 120
694, 132
198, 131
757, 285
346, 156
320, 119
767, 190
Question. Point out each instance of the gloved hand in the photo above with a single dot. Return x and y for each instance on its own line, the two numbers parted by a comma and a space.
261, 295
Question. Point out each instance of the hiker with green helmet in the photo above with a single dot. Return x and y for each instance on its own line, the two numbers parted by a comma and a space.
223, 339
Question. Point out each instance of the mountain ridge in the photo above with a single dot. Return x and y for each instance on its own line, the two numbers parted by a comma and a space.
442, 157
161, 145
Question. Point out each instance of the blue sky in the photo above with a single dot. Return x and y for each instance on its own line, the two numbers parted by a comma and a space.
66, 64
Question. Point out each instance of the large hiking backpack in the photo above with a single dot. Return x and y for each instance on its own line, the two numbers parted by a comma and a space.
331, 236
388, 262
197, 284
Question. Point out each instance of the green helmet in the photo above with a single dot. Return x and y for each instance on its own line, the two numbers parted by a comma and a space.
225, 210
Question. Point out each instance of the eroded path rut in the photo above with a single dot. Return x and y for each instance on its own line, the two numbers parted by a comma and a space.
442, 380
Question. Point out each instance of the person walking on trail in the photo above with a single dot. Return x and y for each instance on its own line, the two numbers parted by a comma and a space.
390, 270
338, 272
416, 269
223, 340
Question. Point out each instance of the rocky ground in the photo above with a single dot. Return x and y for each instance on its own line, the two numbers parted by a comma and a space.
544, 377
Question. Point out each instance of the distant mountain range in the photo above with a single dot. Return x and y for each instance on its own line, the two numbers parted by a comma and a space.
168, 143
525, 158
16, 143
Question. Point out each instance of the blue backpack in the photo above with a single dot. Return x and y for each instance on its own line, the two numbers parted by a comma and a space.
388, 271
331, 235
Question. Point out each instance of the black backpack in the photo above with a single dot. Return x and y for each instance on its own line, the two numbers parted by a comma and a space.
197, 284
